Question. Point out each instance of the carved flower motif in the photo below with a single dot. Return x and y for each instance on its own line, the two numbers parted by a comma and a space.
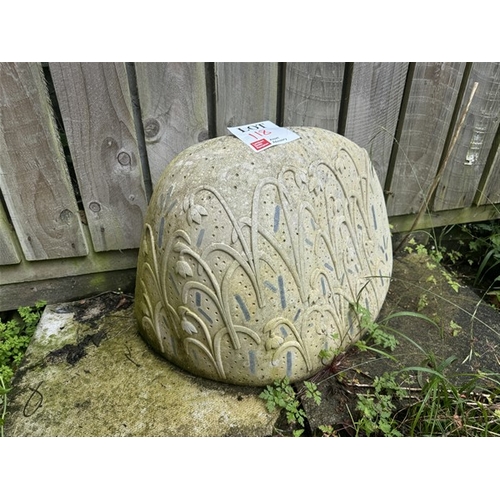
314, 296
183, 268
273, 342
195, 212
320, 328
315, 184
188, 327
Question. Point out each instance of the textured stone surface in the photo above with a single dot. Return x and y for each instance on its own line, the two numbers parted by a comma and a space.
88, 373
250, 262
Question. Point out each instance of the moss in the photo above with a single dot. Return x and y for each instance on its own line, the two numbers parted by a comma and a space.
120, 387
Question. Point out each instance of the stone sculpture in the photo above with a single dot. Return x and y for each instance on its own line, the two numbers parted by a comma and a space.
252, 265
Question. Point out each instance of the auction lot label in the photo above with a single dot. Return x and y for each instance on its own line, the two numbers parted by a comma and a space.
263, 135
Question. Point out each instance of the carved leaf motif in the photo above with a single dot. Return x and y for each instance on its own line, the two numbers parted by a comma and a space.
179, 246
188, 327
186, 203
313, 182
195, 216
234, 236
183, 268
195, 213
273, 343
300, 178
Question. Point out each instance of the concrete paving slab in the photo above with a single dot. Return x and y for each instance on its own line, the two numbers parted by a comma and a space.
88, 373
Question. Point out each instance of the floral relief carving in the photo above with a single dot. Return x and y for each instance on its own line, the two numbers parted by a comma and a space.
273, 284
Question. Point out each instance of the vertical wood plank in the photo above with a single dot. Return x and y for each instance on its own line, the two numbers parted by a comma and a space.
33, 172
313, 94
374, 103
468, 159
174, 110
245, 93
8, 251
96, 108
430, 108
491, 191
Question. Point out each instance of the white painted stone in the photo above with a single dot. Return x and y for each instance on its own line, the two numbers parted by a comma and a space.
250, 262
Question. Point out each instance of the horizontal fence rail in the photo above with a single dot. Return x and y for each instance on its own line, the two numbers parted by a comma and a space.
82, 146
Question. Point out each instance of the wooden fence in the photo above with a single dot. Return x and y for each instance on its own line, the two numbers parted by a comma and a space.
83, 144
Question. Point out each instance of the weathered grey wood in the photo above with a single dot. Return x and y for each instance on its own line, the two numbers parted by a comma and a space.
403, 223
43, 257
245, 93
491, 191
313, 93
430, 108
374, 102
8, 250
46, 269
33, 173
467, 161
173, 99
65, 288
95, 105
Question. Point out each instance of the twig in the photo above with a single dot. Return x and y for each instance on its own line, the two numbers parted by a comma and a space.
439, 175
3, 402
34, 391
128, 355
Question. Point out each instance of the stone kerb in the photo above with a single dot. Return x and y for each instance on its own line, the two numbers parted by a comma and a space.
250, 263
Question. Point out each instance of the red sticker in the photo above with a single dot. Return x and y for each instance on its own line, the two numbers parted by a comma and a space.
260, 144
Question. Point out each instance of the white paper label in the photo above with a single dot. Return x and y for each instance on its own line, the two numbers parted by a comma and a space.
263, 135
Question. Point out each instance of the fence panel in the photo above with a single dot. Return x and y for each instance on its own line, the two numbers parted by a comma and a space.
468, 159
403, 114
432, 99
313, 93
374, 102
173, 99
245, 93
8, 251
95, 104
491, 192
33, 172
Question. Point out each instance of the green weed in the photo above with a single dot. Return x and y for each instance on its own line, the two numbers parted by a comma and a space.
438, 254
373, 331
15, 336
484, 246
377, 410
430, 399
423, 302
327, 431
466, 405
439, 404
475, 245
282, 395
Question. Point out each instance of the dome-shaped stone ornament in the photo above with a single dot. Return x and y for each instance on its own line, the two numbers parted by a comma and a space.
251, 263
